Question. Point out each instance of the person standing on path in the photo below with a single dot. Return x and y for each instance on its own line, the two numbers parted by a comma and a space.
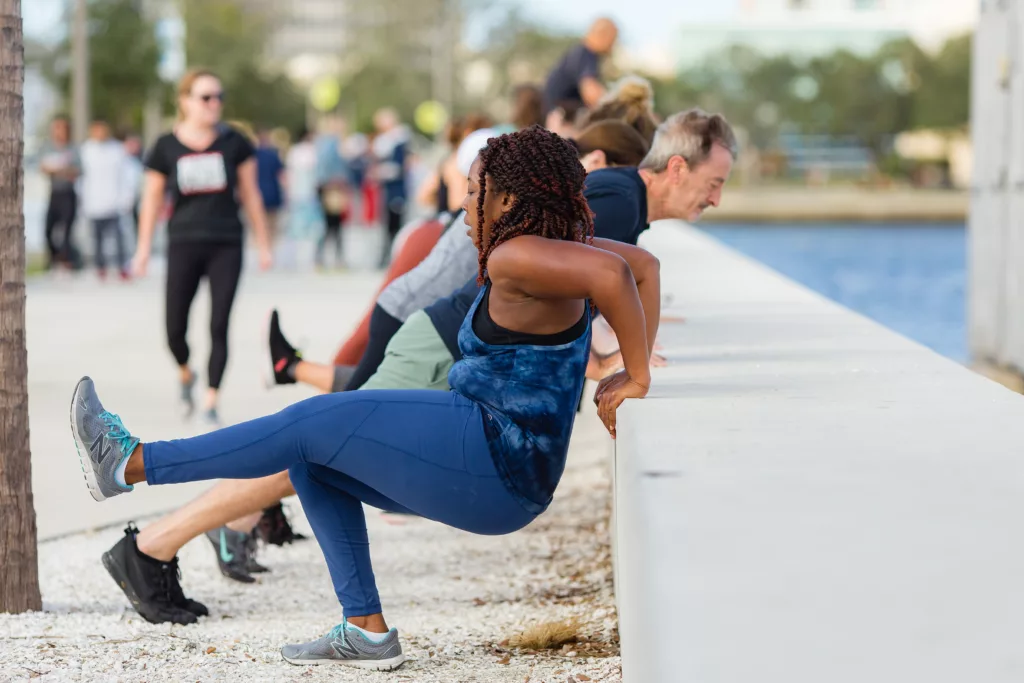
134, 171
270, 173
692, 152
334, 188
210, 171
107, 194
577, 76
61, 164
485, 457
390, 152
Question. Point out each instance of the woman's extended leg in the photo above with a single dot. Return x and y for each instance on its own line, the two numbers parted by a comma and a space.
340, 449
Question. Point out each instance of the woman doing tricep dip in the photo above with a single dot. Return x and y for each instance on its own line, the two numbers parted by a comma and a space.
484, 457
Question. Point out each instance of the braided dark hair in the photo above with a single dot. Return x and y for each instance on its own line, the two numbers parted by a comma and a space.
543, 172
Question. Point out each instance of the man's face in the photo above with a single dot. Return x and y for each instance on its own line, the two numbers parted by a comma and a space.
383, 121
99, 131
60, 131
692, 190
607, 42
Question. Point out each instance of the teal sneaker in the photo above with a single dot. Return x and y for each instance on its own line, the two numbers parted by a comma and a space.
347, 646
233, 553
103, 442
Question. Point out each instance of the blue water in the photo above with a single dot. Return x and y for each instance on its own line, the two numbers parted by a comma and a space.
909, 278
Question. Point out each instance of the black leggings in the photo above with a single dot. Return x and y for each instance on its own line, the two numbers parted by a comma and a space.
187, 264
60, 214
393, 212
382, 328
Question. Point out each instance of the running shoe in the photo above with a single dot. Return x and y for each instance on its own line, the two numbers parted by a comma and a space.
347, 646
212, 418
102, 441
233, 553
274, 529
152, 586
283, 356
188, 404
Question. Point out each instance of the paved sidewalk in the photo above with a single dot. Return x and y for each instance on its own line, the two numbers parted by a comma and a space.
115, 334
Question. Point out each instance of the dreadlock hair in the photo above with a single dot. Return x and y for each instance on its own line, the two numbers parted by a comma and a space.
543, 172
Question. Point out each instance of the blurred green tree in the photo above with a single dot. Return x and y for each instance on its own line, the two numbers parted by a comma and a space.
222, 37
943, 99
124, 59
873, 97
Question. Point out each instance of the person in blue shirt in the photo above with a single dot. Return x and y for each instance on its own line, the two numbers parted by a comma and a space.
485, 457
269, 172
390, 152
334, 188
577, 76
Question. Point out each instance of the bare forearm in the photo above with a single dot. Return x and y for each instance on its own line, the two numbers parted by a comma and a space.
257, 215
648, 285
646, 271
620, 303
148, 213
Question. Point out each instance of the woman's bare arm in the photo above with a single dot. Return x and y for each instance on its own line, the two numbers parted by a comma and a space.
154, 186
548, 269
647, 272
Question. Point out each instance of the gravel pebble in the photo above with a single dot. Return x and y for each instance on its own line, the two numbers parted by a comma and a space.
455, 598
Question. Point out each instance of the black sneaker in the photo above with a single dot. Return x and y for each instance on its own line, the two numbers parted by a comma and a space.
152, 586
274, 529
283, 356
232, 548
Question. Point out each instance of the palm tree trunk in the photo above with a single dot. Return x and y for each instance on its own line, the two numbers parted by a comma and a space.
19, 576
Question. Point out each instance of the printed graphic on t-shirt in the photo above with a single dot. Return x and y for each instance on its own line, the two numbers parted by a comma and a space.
202, 173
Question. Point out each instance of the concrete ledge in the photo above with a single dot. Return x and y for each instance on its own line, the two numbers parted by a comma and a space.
807, 496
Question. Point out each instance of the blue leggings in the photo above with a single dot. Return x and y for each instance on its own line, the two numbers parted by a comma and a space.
418, 451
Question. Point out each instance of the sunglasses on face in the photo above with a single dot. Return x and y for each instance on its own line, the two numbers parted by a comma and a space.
219, 97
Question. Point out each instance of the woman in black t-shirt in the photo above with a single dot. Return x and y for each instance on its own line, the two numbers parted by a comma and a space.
209, 171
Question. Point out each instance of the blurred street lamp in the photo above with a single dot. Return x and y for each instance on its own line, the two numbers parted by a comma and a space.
79, 70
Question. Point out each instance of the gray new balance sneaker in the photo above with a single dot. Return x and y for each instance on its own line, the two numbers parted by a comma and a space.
347, 646
102, 441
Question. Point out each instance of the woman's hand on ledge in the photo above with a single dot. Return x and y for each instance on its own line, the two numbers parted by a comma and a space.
612, 391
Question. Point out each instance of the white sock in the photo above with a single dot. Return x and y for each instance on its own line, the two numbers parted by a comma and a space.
372, 637
119, 474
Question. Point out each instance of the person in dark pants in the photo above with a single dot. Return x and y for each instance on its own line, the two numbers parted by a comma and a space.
390, 149
107, 194
270, 172
333, 187
485, 457
61, 163
210, 170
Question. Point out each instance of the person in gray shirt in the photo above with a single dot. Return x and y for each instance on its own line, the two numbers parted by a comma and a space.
60, 162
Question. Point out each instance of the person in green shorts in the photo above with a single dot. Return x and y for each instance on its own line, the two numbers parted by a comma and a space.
419, 356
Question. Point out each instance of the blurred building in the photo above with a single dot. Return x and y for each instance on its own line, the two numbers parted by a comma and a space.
811, 27
309, 36
314, 39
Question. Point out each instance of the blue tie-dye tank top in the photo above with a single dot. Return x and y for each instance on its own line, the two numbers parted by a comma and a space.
528, 395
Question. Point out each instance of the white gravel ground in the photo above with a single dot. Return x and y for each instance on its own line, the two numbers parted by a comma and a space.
454, 597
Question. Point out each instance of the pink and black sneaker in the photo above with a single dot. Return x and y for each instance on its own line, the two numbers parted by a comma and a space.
283, 356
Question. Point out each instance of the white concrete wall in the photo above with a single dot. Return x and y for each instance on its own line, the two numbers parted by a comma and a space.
996, 223
808, 497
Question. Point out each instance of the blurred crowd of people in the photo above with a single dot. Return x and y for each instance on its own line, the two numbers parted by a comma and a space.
316, 182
